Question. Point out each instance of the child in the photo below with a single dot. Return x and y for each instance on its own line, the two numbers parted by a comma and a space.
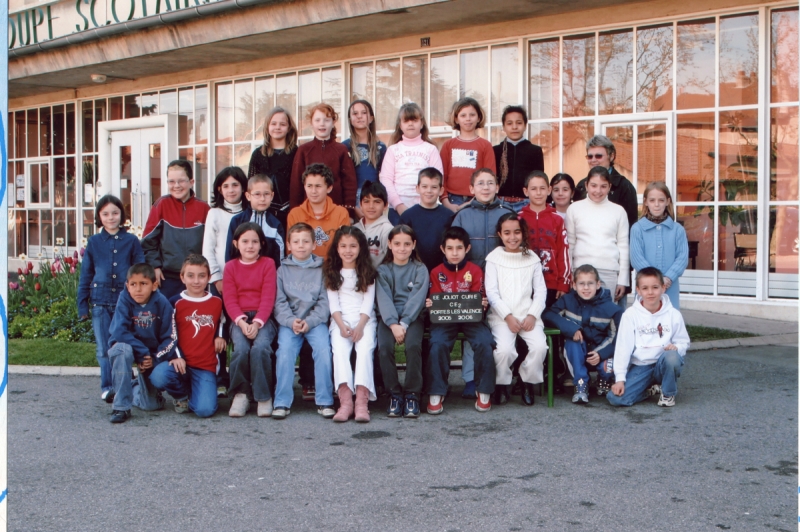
429, 218
463, 154
400, 295
410, 150
190, 376
366, 149
318, 210
324, 149
350, 280
457, 274
589, 320
259, 197
651, 346
174, 229
516, 157
562, 187
516, 292
250, 281
275, 158
302, 311
109, 254
141, 331
658, 241
375, 223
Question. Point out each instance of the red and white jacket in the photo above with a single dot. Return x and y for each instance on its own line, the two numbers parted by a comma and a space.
548, 239
198, 321
449, 278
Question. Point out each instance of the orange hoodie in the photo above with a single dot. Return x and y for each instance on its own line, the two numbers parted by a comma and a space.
333, 217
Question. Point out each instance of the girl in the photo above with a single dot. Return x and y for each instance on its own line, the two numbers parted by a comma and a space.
464, 154
658, 241
410, 150
516, 158
365, 149
598, 234
104, 270
562, 189
323, 148
250, 281
400, 293
275, 158
350, 280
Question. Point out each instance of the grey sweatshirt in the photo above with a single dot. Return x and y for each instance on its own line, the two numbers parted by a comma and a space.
400, 292
301, 293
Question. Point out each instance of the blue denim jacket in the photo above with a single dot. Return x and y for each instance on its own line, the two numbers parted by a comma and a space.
105, 267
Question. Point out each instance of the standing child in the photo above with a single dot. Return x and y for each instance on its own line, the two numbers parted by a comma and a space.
410, 150
109, 254
250, 281
190, 376
516, 292
429, 218
324, 148
366, 149
464, 154
657, 240
350, 280
258, 198
562, 188
651, 346
275, 158
400, 296
516, 158
375, 223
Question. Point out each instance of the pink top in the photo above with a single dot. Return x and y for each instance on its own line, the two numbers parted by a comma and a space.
401, 166
250, 287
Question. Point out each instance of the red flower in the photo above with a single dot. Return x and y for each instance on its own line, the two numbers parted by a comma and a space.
22, 302
37, 287
75, 256
19, 271
35, 275
68, 260
30, 265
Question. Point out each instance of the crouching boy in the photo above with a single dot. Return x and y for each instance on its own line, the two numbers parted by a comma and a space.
141, 331
651, 346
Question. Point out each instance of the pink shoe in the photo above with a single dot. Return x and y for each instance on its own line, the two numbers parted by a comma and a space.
345, 404
362, 404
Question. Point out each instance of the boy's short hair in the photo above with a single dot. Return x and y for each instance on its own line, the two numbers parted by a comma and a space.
431, 173
259, 178
480, 171
144, 269
455, 233
194, 259
102, 203
586, 269
650, 272
319, 169
186, 166
539, 174
300, 227
376, 190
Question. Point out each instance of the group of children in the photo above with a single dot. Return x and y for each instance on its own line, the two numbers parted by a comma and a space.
473, 218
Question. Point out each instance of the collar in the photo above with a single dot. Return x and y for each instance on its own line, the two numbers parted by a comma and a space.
455, 267
106, 235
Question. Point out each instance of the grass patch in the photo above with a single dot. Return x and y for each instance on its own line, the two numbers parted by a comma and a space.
49, 352
698, 333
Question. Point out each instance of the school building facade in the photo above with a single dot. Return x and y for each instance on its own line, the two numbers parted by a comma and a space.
104, 93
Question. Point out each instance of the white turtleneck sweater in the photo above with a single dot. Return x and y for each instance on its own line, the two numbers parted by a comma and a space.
215, 237
598, 235
401, 166
514, 285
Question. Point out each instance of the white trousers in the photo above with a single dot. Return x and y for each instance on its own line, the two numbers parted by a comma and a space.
342, 347
532, 368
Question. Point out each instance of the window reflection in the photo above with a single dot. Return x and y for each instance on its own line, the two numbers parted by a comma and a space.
695, 157
696, 64
738, 60
578, 71
243, 105
544, 79
444, 73
615, 72
784, 153
651, 162
654, 68
361, 82
738, 155
414, 80
784, 55
546, 136
504, 79
224, 116
576, 135
265, 101
309, 93
387, 93
473, 82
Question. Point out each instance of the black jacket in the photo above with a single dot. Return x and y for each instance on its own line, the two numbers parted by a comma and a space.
523, 159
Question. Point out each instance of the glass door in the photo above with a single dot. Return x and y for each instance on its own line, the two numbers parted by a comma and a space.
136, 171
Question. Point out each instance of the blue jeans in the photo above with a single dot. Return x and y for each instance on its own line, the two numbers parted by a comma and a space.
101, 323
289, 345
576, 356
199, 385
517, 205
141, 394
665, 372
456, 199
251, 362
443, 338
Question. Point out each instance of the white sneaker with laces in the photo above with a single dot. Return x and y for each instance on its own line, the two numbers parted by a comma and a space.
265, 408
326, 411
665, 400
239, 405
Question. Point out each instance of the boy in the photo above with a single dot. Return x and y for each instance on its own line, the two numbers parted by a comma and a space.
174, 228
651, 346
190, 376
301, 310
375, 224
428, 218
457, 274
259, 193
589, 320
318, 210
141, 330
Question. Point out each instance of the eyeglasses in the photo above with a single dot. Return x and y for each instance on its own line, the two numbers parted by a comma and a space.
259, 195
179, 183
597, 156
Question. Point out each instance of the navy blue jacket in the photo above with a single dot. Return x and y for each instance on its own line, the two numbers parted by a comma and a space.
597, 319
273, 230
105, 268
429, 225
146, 328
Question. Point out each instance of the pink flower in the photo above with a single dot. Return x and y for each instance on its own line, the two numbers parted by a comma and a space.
25, 271
13, 286
75, 255
72, 269
83, 250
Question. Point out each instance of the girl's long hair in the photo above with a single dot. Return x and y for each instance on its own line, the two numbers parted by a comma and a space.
406, 230
332, 268
409, 111
291, 135
328, 111
235, 172
372, 136
661, 187
459, 105
512, 216
242, 229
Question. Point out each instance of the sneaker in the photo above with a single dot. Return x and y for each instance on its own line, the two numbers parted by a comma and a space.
108, 396
469, 390
265, 408
280, 412
395, 406
653, 391
435, 405
411, 408
309, 392
603, 387
239, 405
581, 395
222, 392
326, 411
120, 416
666, 400
484, 402
181, 405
